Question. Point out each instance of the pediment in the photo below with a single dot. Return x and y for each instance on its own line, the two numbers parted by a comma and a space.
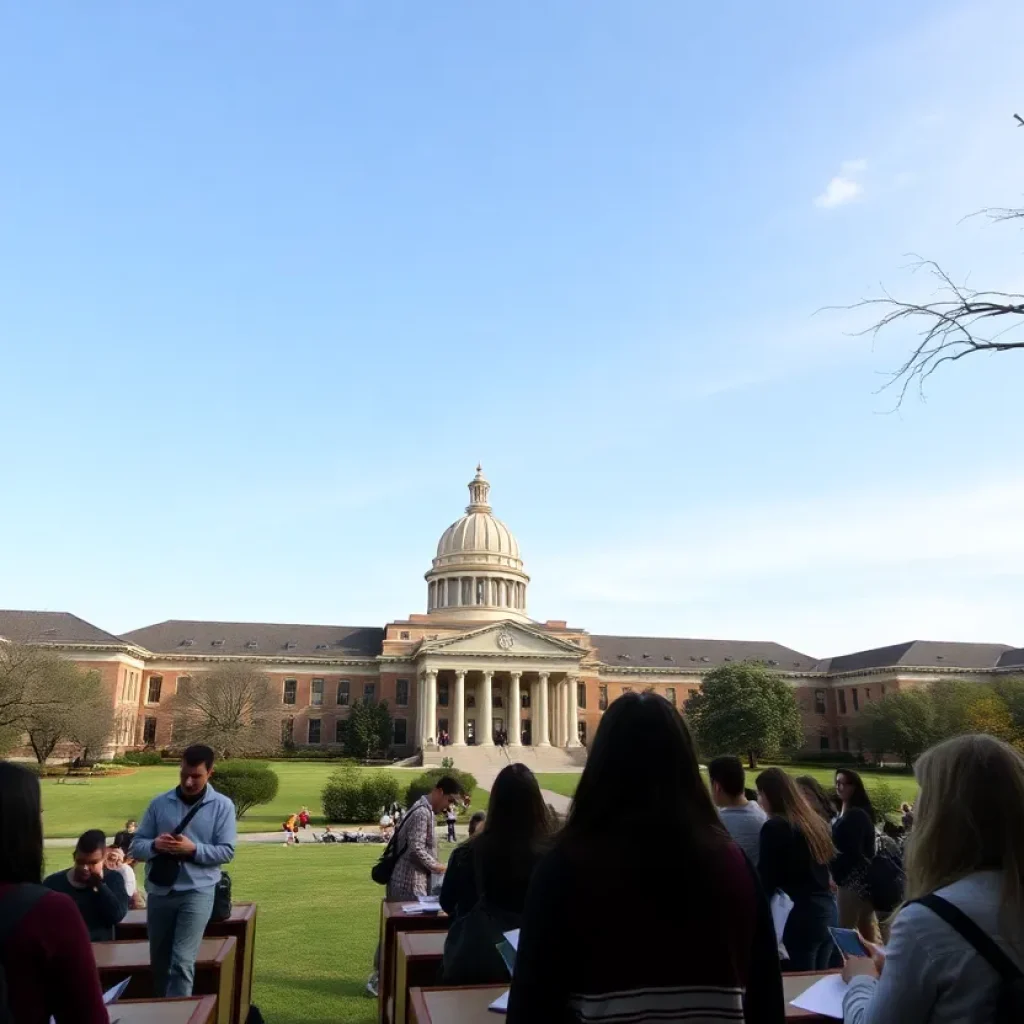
506, 640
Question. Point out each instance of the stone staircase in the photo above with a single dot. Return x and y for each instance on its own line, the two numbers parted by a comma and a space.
486, 762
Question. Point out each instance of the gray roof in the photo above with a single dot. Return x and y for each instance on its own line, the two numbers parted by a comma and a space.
918, 654
664, 652
52, 628
258, 639
1013, 658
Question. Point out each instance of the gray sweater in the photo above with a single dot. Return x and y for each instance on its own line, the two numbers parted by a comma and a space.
932, 975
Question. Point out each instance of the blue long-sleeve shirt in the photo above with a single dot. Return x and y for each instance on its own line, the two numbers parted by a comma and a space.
212, 829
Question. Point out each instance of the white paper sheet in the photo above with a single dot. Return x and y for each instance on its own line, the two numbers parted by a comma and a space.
421, 908
782, 907
500, 1005
115, 993
824, 997
513, 938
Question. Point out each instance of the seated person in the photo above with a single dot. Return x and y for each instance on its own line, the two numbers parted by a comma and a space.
114, 861
328, 836
100, 895
475, 822
123, 839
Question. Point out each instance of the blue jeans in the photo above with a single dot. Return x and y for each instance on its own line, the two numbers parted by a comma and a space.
176, 923
806, 937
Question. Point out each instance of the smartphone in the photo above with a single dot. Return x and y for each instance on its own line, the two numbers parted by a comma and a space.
848, 942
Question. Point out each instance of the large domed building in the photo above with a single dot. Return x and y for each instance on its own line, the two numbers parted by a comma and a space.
474, 666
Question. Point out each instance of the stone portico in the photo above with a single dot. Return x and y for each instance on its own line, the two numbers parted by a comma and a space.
505, 677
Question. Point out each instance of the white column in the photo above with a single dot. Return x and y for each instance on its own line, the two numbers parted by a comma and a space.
459, 732
558, 696
486, 712
542, 739
574, 712
421, 710
432, 707
515, 728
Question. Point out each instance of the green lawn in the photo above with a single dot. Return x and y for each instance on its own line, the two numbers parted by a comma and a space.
71, 808
905, 785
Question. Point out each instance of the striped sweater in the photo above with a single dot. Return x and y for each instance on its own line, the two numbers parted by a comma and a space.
627, 938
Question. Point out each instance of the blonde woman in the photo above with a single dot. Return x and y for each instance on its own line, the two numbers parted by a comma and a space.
794, 854
967, 848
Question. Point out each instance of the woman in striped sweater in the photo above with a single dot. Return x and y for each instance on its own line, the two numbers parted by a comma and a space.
619, 928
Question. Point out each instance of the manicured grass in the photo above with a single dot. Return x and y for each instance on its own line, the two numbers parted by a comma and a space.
904, 785
71, 808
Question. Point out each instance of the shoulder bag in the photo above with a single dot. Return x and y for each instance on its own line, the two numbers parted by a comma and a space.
382, 871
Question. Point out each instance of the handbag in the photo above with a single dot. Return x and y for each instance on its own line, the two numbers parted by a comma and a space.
471, 955
164, 868
222, 898
382, 871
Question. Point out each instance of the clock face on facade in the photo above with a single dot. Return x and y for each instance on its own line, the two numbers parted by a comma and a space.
505, 640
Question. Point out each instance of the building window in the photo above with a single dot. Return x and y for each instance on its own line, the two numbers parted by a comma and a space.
498, 700
670, 695
856, 699
846, 738
480, 592
819, 704
841, 694
867, 693
442, 693
883, 689
290, 686
153, 693
627, 689
181, 681
339, 731
403, 635
316, 693
470, 700
343, 693
823, 742
602, 697
581, 731
524, 698
369, 690
401, 736
314, 730
149, 731
402, 693
581, 695
287, 726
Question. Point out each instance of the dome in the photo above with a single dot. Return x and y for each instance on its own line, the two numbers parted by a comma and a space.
477, 573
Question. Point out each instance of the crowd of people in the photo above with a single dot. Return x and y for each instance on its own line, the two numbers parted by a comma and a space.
47, 925
680, 927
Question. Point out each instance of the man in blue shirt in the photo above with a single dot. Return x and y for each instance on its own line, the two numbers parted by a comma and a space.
183, 868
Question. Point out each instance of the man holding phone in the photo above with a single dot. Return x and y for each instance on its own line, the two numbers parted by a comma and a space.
185, 836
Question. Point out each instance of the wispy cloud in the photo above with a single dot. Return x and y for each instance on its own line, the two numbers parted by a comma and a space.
844, 187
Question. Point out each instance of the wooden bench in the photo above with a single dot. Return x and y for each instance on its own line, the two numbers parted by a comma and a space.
393, 921
241, 924
469, 1005
418, 965
215, 970
195, 1010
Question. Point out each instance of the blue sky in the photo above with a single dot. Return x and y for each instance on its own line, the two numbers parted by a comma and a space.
274, 277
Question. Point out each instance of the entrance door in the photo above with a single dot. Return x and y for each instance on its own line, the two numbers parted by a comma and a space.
471, 731
527, 732
442, 727
499, 727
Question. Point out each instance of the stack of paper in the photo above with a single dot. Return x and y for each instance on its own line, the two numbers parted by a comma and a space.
824, 997
426, 905
500, 1005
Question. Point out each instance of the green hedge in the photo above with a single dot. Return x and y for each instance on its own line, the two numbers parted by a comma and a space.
884, 799
140, 758
246, 783
351, 796
424, 783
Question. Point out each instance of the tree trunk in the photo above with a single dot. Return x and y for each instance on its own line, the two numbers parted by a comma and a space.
752, 760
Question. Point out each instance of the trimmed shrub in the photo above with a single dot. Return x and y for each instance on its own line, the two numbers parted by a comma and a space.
140, 758
354, 797
884, 799
246, 783
424, 783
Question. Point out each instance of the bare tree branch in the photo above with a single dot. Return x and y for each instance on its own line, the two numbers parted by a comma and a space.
959, 322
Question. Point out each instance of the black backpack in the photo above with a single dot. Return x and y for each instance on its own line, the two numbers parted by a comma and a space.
885, 880
13, 907
1010, 1002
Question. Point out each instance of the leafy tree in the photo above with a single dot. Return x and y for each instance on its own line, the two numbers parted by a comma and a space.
351, 795
884, 800
901, 723
989, 713
246, 783
30, 679
951, 700
84, 716
367, 730
232, 708
745, 709
1011, 691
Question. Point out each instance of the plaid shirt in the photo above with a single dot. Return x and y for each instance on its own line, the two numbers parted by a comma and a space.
411, 877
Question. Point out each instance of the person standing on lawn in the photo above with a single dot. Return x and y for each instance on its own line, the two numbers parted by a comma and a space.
417, 861
185, 836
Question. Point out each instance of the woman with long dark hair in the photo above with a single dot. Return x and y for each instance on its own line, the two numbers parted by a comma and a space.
617, 926
853, 833
484, 889
827, 805
796, 848
47, 957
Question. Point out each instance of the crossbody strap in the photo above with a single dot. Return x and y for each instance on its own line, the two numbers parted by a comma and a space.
972, 933
16, 904
188, 817
394, 839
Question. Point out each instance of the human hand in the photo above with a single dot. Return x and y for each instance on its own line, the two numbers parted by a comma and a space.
166, 843
185, 846
857, 967
876, 952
